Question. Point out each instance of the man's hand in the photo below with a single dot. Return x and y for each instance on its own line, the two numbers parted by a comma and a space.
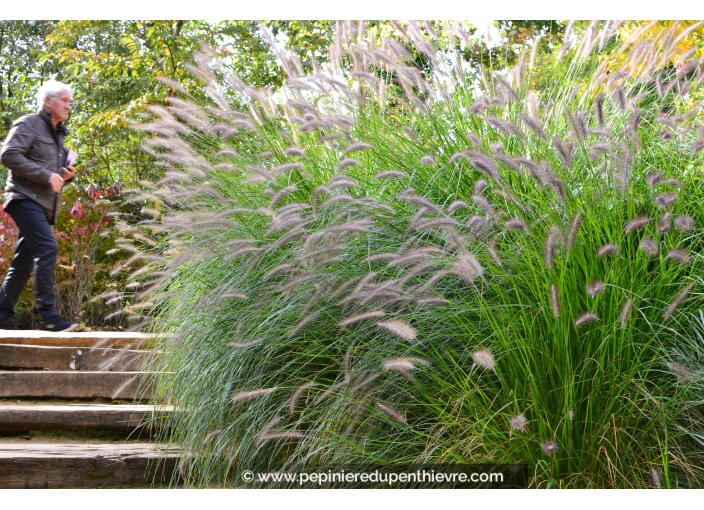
68, 172
56, 182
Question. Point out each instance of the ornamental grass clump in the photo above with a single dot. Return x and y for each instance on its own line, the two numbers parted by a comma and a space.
510, 238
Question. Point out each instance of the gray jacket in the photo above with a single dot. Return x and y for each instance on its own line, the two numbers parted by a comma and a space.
32, 151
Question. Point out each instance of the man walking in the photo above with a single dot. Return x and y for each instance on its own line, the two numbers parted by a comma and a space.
35, 155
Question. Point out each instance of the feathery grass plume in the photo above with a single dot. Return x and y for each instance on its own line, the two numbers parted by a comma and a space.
277, 436
679, 298
682, 372
515, 223
295, 151
655, 477
427, 160
434, 222
484, 359
625, 312
534, 126
403, 366
665, 200
599, 108
619, 96
550, 447
212, 434
483, 204
389, 174
347, 162
561, 152
468, 268
672, 182
244, 345
456, 157
480, 186
653, 178
511, 163
665, 224
400, 329
607, 249
297, 393
415, 255
650, 246
457, 205
637, 223
684, 223
357, 147
269, 426
355, 319
391, 412
678, 255
432, 300
248, 395
595, 288
550, 247
303, 323
493, 254
585, 318
518, 422
554, 300
572, 230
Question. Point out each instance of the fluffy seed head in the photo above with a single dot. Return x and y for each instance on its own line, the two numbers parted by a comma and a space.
585, 318
554, 300
653, 178
595, 288
573, 230
400, 329
479, 186
607, 249
679, 298
625, 312
681, 372
665, 224
378, 314
456, 205
391, 412
678, 255
468, 268
427, 160
550, 245
518, 422
665, 200
684, 223
516, 224
650, 246
389, 174
550, 447
637, 223
485, 359
347, 162
248, 395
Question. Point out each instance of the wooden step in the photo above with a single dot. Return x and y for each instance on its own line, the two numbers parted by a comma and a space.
73, 339
70, 385
20, 419
72, 358
48, 465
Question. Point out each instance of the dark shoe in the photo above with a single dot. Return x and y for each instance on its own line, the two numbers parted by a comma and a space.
7, 325
57, 325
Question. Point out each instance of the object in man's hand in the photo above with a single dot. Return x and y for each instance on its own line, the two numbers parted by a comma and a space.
71, 157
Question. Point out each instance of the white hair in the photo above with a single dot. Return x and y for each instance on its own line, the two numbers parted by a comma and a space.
51, 89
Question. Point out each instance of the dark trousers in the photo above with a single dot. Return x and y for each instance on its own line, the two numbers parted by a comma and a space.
36, 250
